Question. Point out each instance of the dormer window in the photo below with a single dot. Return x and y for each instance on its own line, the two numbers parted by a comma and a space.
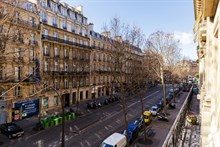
53, 7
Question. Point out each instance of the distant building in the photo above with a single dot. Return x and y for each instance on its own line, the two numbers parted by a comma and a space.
207, 32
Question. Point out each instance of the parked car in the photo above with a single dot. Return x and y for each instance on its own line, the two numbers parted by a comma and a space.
160, 104
139, 122
114, 140
133, 131
147, 117
11, 130
154, 110
93, 105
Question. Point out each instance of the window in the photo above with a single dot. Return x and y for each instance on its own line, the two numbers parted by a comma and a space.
32, 90
74, 83
66, 84
81, 42
74, 54
55, 100
56, 64
65, 37
17, 91
65, 67
74, 67
43, 3
18, 73
46, 84
55, 34
87, 81
66, 54
81, 83
45, 103
63, 11
84, 21
46, 50
56, 52
79, 18
18, 52
46, 66
53, 7
74, 39
45, 32
44, 17
85, 42
73, 27
54, 21
64, 24
56, 84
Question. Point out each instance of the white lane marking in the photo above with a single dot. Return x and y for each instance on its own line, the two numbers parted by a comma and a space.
143, 99
97, 135
88, 143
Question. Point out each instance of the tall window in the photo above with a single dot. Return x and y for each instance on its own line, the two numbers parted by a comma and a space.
66, 53
46, 50
45, 103
55, 21
55, 34
18, 73
44, 17
65, 66
74, 54
74, 67
72, 27
46, 66
66, 84
74, 83
17, 91
53, 6
56, 84
64, 24
56, 66
56, 52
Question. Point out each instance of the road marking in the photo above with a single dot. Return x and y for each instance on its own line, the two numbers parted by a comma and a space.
143, 99
97, 135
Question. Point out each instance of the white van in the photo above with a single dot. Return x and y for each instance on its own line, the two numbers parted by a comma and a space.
115, 140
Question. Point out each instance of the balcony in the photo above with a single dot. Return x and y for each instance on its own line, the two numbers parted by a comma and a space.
18, 59
54, 39
26, 23
55, 24
202, 29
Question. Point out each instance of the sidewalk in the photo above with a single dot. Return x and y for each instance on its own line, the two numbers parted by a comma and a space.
161, 128
191, 133
28, 124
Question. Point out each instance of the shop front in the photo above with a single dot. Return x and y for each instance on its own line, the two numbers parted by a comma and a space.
25, 109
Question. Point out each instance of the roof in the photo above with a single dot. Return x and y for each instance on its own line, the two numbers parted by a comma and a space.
114, 138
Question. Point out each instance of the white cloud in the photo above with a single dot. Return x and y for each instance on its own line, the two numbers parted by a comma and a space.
184, 37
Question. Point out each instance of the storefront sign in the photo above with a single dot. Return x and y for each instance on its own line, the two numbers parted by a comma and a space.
27, 108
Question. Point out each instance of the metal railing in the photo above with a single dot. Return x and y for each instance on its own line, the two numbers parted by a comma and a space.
175, 131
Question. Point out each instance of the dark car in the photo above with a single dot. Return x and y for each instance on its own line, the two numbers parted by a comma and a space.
11, 130
139, 122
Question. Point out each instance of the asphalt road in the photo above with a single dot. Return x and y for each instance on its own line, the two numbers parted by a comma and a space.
91, 129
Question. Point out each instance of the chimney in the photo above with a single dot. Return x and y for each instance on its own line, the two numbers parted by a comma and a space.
79, 9
106, 34
90, 27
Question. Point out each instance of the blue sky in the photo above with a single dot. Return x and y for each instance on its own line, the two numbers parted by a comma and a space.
173, 16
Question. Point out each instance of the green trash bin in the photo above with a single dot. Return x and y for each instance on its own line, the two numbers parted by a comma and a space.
52, 123
69, 116
60, 120
47, 125
72, 115
56, 121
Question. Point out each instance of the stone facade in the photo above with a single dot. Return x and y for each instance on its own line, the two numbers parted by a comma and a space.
207, 31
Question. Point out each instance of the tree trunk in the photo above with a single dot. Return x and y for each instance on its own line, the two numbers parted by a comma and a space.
125, 112
77, 98
63, 122
174, 95
164, 91
142, 112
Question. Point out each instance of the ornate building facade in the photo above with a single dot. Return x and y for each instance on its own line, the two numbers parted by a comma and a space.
207, 31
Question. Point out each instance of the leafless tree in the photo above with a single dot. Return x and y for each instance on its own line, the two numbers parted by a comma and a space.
162, 47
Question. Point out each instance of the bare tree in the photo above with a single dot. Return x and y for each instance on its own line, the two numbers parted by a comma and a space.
161, 46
